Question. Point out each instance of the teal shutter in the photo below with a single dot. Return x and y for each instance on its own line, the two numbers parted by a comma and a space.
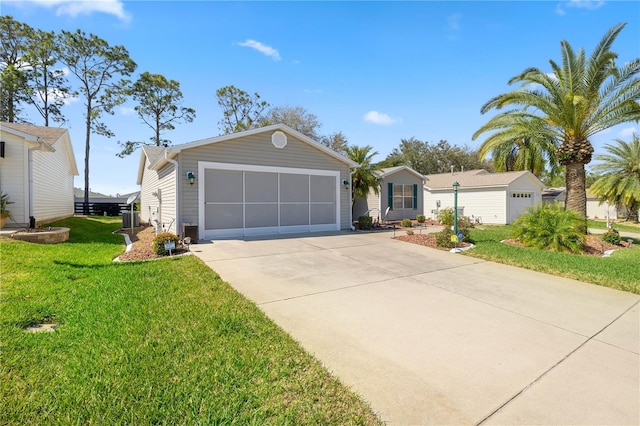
390, 195
415, 196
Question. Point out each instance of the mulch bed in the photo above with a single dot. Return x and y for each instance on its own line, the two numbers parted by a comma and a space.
142, 247
594, 245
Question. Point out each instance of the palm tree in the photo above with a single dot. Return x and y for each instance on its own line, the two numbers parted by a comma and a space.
620, 180
365, 177
582, 97
512, 151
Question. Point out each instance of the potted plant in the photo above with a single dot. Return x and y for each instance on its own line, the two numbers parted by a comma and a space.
4, 212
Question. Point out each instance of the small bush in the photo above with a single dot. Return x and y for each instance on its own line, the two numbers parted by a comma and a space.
445, 216
551, 227
443, 238
409, 231
365, 222
420, 218
612, 237
160, 239
406, 223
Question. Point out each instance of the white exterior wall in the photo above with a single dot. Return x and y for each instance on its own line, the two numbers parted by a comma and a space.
595, 210
489, 204
159, 210
14, 179
52, 184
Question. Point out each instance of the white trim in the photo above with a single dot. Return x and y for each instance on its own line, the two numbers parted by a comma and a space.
236, 232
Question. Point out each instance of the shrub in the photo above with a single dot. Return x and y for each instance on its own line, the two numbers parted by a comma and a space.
365, 222
551, 227
162, 238
612, 237
445, 216
420, 218
443, 238
409, 231
406, 223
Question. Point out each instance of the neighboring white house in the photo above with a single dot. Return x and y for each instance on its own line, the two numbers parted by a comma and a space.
495, 198
595, 208
269, 180
37, 171
400, 190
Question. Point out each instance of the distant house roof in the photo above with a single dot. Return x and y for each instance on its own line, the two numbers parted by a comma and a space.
476, 179
391, 170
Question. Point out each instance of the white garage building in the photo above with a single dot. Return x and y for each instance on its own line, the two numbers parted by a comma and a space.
495, 198
270, 180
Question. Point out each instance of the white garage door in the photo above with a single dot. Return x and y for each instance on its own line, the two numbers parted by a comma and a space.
241, 200
518, 203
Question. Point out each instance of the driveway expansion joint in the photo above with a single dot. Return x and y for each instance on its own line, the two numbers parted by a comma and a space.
553, 367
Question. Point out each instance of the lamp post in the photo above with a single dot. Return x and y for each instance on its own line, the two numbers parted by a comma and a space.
456, 185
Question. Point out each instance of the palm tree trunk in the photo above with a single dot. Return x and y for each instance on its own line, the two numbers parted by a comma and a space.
576, 192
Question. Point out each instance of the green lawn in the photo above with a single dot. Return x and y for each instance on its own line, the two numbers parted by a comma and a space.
620, 226
161, 342
620, 271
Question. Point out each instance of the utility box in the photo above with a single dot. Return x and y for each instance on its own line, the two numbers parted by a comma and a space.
191, 231
126, 219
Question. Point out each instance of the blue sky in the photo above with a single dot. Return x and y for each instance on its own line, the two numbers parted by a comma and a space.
376, 71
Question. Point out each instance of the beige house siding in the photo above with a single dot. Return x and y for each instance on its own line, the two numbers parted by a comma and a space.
402, 177
256, 149
158, 199
52, 184
14, 179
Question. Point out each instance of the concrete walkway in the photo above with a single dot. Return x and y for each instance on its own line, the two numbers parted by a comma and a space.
430, 337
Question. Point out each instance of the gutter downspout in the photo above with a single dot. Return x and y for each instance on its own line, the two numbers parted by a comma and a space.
177, 170
351, 172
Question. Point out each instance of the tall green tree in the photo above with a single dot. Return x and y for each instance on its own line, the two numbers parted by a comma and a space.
159, 107
620, 180
14, 40
336, 141
581, 97
296, 117
240, 110
48, 84
365, 177
426, 158
97, 66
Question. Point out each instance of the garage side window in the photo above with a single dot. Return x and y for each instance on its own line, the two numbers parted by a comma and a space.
404, 196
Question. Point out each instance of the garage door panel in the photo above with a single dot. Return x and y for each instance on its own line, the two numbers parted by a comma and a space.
223, 216
254, 200
294, 214
223, 186
294, 187
261, 187
323, 189
322, 214
261, 215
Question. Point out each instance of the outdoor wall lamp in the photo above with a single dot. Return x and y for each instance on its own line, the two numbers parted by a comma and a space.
346, 184
191, 177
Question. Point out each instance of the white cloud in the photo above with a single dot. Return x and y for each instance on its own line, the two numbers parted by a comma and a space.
75, 8
380, 118
453, 21
127, 111
628, 132
262, 48
578, 4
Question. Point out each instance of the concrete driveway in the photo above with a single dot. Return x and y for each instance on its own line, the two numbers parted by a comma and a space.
430, 337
